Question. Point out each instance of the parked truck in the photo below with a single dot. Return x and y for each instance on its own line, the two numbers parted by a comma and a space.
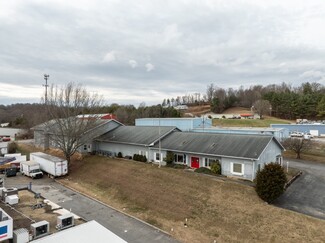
52, 165
31, 169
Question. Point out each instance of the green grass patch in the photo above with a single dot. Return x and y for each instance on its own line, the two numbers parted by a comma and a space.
248, 122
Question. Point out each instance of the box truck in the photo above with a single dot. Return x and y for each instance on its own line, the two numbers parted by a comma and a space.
31, 169
52, 165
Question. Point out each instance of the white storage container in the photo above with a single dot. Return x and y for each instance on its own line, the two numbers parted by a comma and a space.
12, 199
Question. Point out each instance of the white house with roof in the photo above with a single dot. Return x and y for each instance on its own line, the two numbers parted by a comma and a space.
240, 155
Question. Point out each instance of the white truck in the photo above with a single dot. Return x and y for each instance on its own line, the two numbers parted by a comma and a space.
31, 169
52, 165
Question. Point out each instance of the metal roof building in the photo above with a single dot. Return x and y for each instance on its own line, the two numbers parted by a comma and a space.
315, 129
84, 233
224, 145
184, 124
278, 133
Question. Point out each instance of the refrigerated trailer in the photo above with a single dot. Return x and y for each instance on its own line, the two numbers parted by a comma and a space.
52, 165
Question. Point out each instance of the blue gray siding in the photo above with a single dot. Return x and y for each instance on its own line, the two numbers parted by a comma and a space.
184, 124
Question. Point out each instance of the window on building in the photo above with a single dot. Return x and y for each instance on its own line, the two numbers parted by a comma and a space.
85, 146
179, 158
278, 159
208, 162
237, 168
157, 157
142, 153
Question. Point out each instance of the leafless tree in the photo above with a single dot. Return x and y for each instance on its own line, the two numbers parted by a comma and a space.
262, 107
298, 145
210, 92
67, 126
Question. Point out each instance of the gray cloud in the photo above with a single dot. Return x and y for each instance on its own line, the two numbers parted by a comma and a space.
158, 48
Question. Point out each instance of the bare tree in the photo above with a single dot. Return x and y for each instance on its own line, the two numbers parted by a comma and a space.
68, 127
262, 107
210, 92
298, 145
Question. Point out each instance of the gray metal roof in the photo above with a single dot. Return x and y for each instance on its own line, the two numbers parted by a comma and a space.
52, 125
218, 144
142, 135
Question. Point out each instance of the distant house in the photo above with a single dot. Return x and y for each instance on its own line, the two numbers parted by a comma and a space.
106, 116
130, 140
44, 133
181, 107
4, 124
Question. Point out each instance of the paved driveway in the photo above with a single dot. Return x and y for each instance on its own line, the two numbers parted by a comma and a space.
128, 228
307, 194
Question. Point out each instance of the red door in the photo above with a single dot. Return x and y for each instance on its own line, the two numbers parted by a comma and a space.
195, 162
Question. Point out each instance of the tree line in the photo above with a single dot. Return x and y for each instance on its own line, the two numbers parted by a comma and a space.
281, 100
27, 116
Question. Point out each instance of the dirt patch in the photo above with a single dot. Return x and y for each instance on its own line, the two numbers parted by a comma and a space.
237, 110
215, 210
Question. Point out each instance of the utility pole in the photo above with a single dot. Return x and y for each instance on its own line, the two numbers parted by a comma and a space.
46, 77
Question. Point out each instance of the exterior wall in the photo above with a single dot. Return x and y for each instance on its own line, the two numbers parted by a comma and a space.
11, 132
127, 150
39, 138
248, 168
184, 124
87, 146
302, 128
280, 135
271, 152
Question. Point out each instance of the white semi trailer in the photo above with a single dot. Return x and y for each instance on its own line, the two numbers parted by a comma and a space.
52, 165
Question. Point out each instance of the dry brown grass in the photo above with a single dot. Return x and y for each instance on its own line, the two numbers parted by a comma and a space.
216, 210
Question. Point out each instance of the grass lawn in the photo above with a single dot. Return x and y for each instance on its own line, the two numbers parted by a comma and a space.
224, 211
266, 122
216, 210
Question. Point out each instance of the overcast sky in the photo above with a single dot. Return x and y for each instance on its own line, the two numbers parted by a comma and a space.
144, 51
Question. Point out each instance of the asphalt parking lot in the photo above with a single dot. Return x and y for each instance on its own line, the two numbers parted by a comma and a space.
307, 194
128, 228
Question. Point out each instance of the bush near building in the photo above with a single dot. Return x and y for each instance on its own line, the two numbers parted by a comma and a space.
270, 182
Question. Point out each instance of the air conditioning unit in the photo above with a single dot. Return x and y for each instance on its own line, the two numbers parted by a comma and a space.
9, 192
65, 221
40, 229
21, 236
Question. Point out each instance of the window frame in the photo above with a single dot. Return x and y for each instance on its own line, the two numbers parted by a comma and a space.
180, 162
208, 161
242, 168
155, 157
